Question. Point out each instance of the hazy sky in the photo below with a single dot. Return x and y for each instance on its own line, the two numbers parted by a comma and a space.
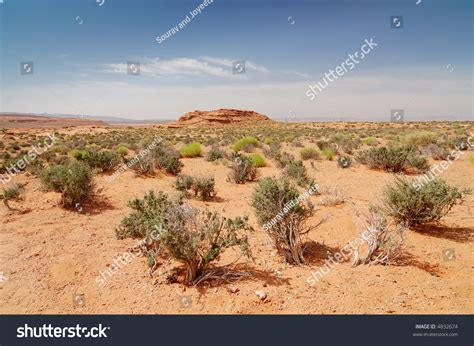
80, 50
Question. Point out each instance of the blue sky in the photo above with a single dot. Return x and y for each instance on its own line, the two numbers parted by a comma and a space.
80, 52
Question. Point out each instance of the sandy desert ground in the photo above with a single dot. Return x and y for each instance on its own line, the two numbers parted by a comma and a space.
50, 256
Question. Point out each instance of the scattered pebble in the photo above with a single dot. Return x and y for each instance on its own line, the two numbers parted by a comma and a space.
261, 295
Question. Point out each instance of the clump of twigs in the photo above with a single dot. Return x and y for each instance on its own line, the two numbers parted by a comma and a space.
382, 239
331, 197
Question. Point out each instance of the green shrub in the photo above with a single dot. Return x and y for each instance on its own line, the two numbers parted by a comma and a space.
104, 160
423, 138
81, 155
242, 170
297, 171
122, 150
167, 158
73, 181
257, 160
13, 193
282, 217
370, 141
170, 164
268, 140
247, 143
309, 153
328, 154
184, 183
393, 159
204, 188
191, 150
146, 214
413, 203
215, 154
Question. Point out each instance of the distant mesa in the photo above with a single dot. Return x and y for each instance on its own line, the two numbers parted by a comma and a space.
19, 120
217, 117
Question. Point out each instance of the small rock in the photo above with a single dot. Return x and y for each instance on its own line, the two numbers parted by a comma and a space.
232, 289
261, 295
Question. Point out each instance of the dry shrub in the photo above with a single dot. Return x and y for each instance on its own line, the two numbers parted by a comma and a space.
383, 241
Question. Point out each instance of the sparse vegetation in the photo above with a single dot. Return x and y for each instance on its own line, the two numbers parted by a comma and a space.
13, 193
257, 160
276, 199
182, 232
393, 159
309, 153
414, 203
191, 150
246, 144
242, 170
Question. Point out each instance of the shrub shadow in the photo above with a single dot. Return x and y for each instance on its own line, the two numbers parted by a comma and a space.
458, 234
251, 274
408, 259
316, 253
96, 205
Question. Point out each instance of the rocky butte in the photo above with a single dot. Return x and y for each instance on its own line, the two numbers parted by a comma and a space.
217, 117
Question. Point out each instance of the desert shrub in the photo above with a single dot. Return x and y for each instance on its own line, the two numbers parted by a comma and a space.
247, 143
242, 170
309, 153
282, 217
419, 163
459, 143
215, 154
296, 170
11, 162
382, 240
191, 150
170, 164
344, 161
257, 160
471, 159
182, 232
203, 188
13, 193
296, 143
421, 138
273, 150
104, 160
345, 143
268, 140
80, 154
328, 153
122, 150
370, 141
331, 197
184, 183
142, 165
322, 144
413, 203
393, 159
35, 167
73, 181
438, 152
167, 158
146, 214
